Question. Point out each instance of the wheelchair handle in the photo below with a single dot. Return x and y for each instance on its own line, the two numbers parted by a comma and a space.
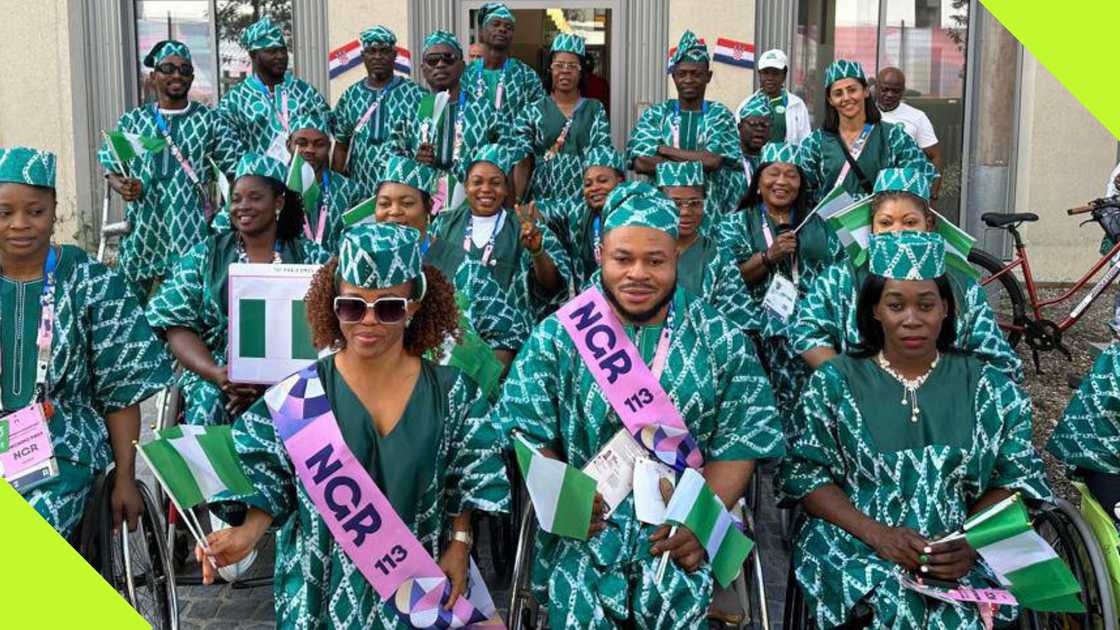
1096, 204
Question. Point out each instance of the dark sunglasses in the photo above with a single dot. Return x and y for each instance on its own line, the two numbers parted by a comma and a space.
386, 310
185, 69
432, 60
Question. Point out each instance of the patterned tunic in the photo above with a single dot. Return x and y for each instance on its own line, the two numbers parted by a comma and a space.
560, 175
371, 144
442, 457
707, 269
1088, 435
104, 358
521, 86
573, 223
923, 475
713, 378
257, 118
195, 296
169, 219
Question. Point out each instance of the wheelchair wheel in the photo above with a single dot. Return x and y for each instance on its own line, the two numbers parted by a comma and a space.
524, 612
750, 587
796, 612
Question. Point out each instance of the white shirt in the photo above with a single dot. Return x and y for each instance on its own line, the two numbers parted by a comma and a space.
915, 122
798, 126
483, 227
1110, 190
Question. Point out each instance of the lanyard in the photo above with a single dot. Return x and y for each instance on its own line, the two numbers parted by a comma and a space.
747, 171
480, 84
45, 335
460, 114
855, 150
768, 236
597, 230
243, 256
323, 206
488, 250
563, 137
662, 352
165, 130
281, 95
675, 129
372, 109
425, 245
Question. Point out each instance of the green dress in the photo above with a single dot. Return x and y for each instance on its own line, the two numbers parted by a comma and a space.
574, 224
1088, 435
778, 106
521, 86
924, 475
196, 296
169, 218
559, 175
712, 376
708, 269
104, 358
370, 144
442, 458
256, 117
821, 158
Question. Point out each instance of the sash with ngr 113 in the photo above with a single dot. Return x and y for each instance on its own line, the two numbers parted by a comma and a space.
359, 516
627, 382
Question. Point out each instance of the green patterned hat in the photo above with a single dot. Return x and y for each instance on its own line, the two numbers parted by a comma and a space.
638, 204
908, 180
690, 48
680, 174
262, 165
377, 36
779, 152
754, 106
843, 69
24, 165
409, 172
315, 121
381, 255
569, 43
604, 155
264, 33
163, 50
435, 38
496, 154
907, 255
493, 10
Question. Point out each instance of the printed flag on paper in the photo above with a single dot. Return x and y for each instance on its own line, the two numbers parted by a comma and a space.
301, 178
734, 53
361, 213
349, 55
197, 464
562, 495
269, 336
696, 507
127, 146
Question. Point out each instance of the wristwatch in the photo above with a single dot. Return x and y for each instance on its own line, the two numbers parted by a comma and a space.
463, 536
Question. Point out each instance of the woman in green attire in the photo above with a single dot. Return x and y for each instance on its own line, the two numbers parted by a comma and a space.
191, 307
853, 127
880, 480
73, 344
557, 130
420, 430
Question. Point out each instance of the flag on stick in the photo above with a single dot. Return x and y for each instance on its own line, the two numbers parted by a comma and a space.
361, 213
127, 146
197, 464
695, 506
562, 495
836, 200
301, 178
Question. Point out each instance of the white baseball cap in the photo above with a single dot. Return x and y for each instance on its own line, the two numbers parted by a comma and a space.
773, 58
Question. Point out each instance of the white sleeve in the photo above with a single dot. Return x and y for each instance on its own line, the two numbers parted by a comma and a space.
1110, 190
926, 137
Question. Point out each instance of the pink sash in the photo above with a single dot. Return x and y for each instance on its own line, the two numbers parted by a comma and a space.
359, 517
627, 383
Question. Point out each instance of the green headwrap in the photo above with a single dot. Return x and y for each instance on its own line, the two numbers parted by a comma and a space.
604, 155
262, 165
689, 49
680, 174
779, 152
163, 50
638, 204
315, 121
492, 10
435, 38
381, 255
264, 33
409, 172
843, 69
24, 165
755, 106
908, 180
377, 36
907, 255
569, 43
496, 154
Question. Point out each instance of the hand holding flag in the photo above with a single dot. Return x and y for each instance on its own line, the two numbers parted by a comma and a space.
127, 146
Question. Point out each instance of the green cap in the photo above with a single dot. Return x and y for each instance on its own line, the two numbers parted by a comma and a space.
908, 180
843, 69
263, 166
312, 120
907, 255
163, 50
497, 154
264, 33
779, 152
680, 174
377, 36
604, 155
569, 43
690, 48
754, 106
638, 204
435, 38
492, 10
409, 172
24, 165
381, 255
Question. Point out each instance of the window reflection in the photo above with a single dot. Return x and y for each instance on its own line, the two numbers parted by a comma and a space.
232, 18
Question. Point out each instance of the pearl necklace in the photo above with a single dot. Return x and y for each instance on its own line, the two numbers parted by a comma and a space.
909, 386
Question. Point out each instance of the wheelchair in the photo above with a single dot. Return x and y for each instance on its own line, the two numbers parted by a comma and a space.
136, 564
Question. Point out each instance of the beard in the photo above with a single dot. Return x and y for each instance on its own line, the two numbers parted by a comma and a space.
640, 317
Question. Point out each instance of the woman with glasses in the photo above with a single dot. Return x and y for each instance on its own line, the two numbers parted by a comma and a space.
191, 309
557, 130
420, 431
167, 191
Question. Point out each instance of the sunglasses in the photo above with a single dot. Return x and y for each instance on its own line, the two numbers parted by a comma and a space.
432, 60
185, 69
565, 65
386, 310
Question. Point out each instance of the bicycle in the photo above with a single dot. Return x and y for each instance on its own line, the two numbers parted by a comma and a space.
1007, 297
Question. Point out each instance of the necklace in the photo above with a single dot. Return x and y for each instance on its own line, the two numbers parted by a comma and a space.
243, 256
909, 386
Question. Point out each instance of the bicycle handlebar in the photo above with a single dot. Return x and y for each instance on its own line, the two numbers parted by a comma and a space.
1080, 210
1096, 204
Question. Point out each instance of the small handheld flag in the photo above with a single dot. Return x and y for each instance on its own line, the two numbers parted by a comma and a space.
562, 495
694, 505
127, 146
301, 178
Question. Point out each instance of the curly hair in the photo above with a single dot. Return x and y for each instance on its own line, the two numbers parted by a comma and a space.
438, 315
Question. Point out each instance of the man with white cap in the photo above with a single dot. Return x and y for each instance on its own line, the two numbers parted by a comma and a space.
789, 117
890, 86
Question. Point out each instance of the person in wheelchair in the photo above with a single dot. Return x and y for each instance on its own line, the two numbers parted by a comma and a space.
903, 438
702, 365
191, 307
825, 322
74, 346
416, 431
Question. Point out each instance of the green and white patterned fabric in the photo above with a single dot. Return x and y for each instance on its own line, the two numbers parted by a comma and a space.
495, 154
689, 49
494, 10
1088, 435
25, 165
637, 204
569, 43
712, 376
377, 36
164, 49
264, 33
843, 69
707, 269
973, 435
380, 255
521, 85
908, 180
756, 107
169, 218
256, 117
605, 155
262, 166
907, 255
447, 38
778, 152
311, 121
409, 172
558, 172
104, 358
680, 174
195, 295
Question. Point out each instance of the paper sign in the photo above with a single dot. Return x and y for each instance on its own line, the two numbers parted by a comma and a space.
29, 459
613, 469
781, 297
960, 594
649, 505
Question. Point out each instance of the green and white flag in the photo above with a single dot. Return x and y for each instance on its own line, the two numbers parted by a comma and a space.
694, 505
301, 178
562, 495
836, 200
361, 213
1021, 559
269, 335
197, 464
126, 146
958, 244
223, 185
471, 354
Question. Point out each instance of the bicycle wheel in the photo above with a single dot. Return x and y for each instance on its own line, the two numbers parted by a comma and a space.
1005, 295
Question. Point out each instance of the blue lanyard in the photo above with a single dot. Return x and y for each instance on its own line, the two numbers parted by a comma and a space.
45, 337
161, 122
425, 245
597, 230
480, 82
677, 107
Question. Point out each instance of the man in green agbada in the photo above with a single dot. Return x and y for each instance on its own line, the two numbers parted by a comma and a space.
504, 82
710, 374
167, 203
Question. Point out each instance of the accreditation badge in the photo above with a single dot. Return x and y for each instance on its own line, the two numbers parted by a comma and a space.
26, 454
781, 297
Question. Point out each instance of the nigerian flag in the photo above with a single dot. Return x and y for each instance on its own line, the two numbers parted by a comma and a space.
694, 505
196, 464
361, 213
274, 328
127, 146
562, 495
223, 185
301, 178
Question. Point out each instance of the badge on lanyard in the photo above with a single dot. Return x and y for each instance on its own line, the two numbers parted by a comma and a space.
28, 457
781, 297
